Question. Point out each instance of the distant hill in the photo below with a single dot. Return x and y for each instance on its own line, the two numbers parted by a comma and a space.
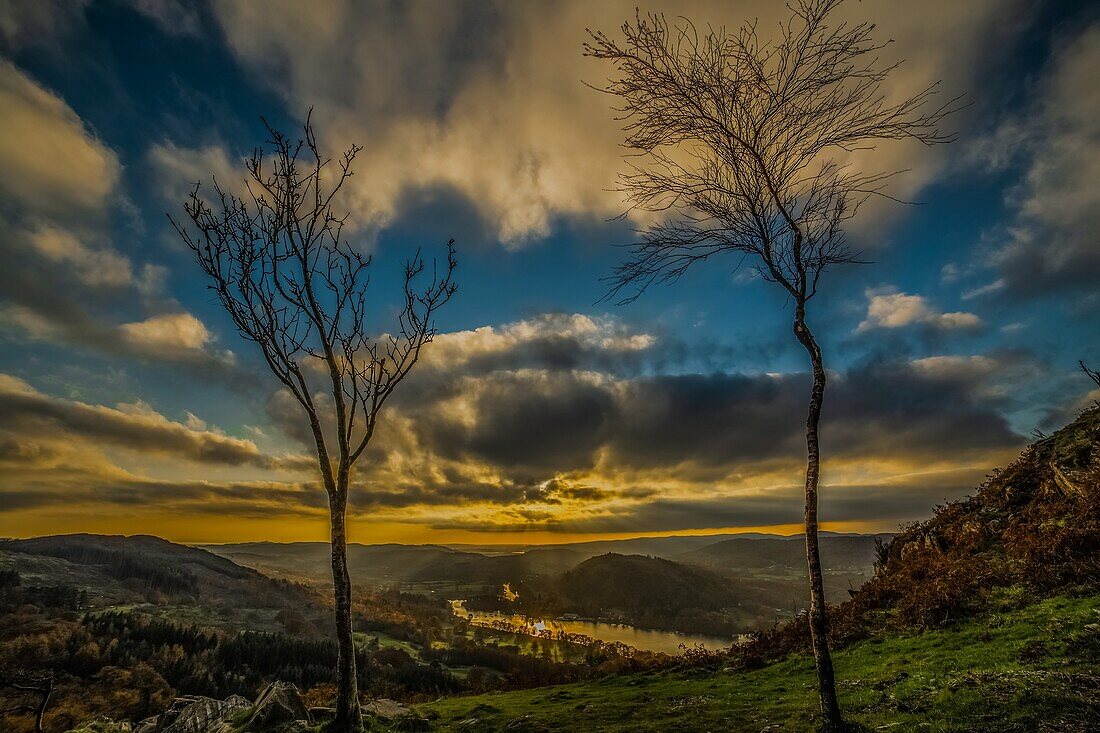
636, 585
368, 563
114, 569
762, 576
838, 552
494, 565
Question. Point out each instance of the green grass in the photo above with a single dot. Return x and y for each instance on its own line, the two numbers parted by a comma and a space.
1017, 668
385, 641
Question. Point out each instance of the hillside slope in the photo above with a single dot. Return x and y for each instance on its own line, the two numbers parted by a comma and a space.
113, 569
1014, 669
987, 615
398, 564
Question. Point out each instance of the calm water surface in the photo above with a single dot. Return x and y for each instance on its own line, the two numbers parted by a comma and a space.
667, 642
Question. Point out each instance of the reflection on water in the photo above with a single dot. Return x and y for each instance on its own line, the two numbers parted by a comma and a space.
667, 642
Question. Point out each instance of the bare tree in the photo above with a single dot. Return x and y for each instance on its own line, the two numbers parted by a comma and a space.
1092, 374
282, 269
27, 686
739, 145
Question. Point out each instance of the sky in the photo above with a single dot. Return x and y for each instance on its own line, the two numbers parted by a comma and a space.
540, 413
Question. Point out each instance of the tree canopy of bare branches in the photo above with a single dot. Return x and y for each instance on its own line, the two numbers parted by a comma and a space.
281, 267
742, 146
32, 690
1092, 374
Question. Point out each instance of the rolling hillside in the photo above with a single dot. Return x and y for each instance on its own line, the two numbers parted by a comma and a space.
112, 569
634, 585
1014, 669
838, 553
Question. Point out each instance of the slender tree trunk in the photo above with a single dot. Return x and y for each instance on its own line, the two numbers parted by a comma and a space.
819, 622
348, 717
41, 711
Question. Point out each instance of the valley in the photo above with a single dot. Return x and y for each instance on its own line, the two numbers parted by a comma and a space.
958, 622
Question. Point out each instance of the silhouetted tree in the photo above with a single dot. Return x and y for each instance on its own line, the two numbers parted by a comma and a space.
294, 286
33, 690
1092, 374
735, 144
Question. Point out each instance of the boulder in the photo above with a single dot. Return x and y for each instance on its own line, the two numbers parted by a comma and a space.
203, 715
397, 715
279, 703
149, 725
173, 711
386, 709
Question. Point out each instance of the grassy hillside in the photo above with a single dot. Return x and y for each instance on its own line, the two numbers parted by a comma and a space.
1020, 666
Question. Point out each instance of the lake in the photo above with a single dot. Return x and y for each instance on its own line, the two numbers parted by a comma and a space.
667, 642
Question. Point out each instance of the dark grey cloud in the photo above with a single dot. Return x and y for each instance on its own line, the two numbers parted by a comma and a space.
562, 448
528, 422
83, 486
532, 424
28, 413
365, 498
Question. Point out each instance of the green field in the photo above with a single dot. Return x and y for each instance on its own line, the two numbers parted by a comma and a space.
1030, 667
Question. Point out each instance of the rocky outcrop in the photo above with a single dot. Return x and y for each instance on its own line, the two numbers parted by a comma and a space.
279, 703
278, 709
207, 715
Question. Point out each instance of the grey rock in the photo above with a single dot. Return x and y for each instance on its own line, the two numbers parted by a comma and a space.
279, 703
203, 715
149, 725
401, 717
172, 712
386, 709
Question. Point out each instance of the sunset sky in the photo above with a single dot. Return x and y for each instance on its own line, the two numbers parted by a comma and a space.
128, 404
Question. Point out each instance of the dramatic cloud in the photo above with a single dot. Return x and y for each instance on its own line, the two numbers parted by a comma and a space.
63, 280
475, 118
501, 431
496, 425
1054, 243
135, 426
897, 310
52, 163
488, 99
